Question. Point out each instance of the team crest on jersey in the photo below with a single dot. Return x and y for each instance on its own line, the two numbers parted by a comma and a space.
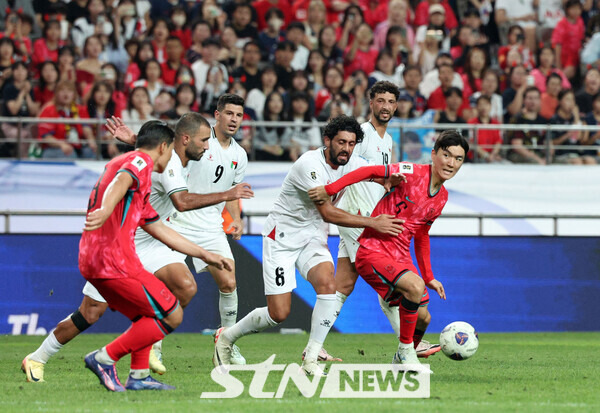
234, 165
139, 163
171, 173
210, 157
313, 175
406, 168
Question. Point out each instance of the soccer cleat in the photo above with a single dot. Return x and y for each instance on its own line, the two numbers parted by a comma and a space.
323, 356
312, 368
408, 356
147, 383
156, 364
236, 356
426, 349
105, 372
34, 370
223, 350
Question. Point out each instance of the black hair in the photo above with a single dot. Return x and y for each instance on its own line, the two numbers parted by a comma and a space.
267, 112
8, 40
343, 123
171, 37
453, 90
153, 133
180, 88
158, 20
135, 89
276, 12
229, 99
350, 8
51, 22
20, 63
484, 97
531, 89
571, 3
564, 92
141, 45
295, 25
211, 41
451, 137
190, 123
553, 75
408, 68
67, 49
91, 105
145, 68
42, 82
251, 43
199, 22
383, 86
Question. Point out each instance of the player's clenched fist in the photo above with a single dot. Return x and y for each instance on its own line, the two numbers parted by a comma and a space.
95, 219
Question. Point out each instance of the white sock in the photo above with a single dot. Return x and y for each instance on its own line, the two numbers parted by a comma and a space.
139, 374
323, 317
340, 299
157, 346
392, 314
47, 349
228, 307
255, 322
102, 357
402, 345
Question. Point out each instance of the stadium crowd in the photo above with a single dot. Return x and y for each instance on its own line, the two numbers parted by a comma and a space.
456, 61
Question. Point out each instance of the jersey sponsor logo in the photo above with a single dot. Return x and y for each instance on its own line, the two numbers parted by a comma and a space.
139, 163
313, 175
408, 199
406, 168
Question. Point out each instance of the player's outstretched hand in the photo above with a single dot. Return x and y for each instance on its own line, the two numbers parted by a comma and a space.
393, 180
388, 224
119, 130
318, 195
217, 261
235, 229
243, 191
95, 219
438, 287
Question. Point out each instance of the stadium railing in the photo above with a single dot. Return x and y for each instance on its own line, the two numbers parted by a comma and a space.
22, 143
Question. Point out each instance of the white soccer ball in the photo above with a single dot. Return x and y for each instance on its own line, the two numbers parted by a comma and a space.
459, 340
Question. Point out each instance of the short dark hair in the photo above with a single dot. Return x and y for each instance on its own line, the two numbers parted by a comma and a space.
296, 25
531, 89
189, 123
553, 75
251, 43
211, 41
484, 97
451, 137
274, 11
408, 68
343, 123
153, 133
565, 92
229, 99
571, 3
384, 86
453, 90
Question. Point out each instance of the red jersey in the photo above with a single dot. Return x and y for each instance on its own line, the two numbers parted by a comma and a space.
410, 201
109, 251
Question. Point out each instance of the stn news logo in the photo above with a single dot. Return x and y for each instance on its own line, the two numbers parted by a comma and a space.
342, 381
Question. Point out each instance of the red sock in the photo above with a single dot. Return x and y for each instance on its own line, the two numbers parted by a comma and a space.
408, 320
139, 339
417, 337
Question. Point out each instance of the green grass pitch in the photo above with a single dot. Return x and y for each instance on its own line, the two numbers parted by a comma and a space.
524, 372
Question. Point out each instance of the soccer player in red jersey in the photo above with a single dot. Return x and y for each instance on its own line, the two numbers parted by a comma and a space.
117, 205
384, 261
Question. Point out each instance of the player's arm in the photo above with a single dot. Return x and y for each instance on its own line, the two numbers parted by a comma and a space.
114, 193
176, 241
119, 130
236, 214
422, 252
386, 224
187, 201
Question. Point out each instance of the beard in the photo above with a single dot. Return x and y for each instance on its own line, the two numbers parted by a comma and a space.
333, 157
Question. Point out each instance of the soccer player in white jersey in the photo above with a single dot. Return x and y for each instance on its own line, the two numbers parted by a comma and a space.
222, 166
169, 191
361, 199
295, 236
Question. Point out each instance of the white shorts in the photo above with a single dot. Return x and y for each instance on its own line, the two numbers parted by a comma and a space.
280, 263
90, 291
154, 254
215, 242
349, 243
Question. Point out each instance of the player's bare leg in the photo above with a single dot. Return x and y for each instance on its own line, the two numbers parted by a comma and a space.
323, 316
87, 314
228, 303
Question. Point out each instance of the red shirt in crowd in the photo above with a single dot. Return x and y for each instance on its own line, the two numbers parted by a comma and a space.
60, 130
422, 15
570, 36
486, 137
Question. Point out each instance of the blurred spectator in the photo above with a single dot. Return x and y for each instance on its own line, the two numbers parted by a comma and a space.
96, 22
271, 34
248, 72
174, 61
397, 13
591, 87
423, 11
62, 140
66, 63
334, 82
19, 101
386, 69
262, 6
159, 33
315, 68
329, 48
431, 79
201, 68
151, 79
145, 52
301, 138
475, 66
450, 113
528, 145
44, 91
47, 10
472, 19
345, 32
114, 49
396, 44
180, 28
128, 23
18, 28
213, 14
268, 143
184, 75
164, 102
591, 137
241, 22
405, 106
230, 54
256, 97
283, 59
200, 32
101, 106
567, 38
427, 33
76, 9
438, 98
185, 100
361, 54
519, 12
461, 45
590, 55
489, 87
567, 113
315, 20
7, 58
300, 83
550, 96
549, 13
162, 9
545, 67
88, 68
512, 97
516, 43
22, 7
357, 85
46, 47
139, 109
412, 78
488, 141
216, 84
295, 34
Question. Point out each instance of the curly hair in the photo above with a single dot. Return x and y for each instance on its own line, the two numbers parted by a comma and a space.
383, 86
343, 123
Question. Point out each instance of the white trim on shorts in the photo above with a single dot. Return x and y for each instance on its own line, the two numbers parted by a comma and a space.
92, 292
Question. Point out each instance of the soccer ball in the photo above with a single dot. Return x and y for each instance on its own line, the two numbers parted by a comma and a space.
459, 340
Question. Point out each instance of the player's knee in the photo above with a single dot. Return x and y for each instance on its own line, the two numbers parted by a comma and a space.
415, 287
228, 285
279, 314
187, 292
425, 317
92, 310
344, 286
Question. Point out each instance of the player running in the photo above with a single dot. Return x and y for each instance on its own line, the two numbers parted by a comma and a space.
295, 236
169, 192
117, 205
384, 261
361, 199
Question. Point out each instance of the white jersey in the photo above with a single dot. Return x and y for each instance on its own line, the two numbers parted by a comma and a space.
217, 171
294, 219
361, 198
173, 179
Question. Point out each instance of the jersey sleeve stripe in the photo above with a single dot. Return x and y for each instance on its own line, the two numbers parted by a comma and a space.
180, 189
151, 220
137, 181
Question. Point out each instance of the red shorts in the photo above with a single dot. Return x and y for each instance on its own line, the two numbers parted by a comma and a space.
144, 296
382, 272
